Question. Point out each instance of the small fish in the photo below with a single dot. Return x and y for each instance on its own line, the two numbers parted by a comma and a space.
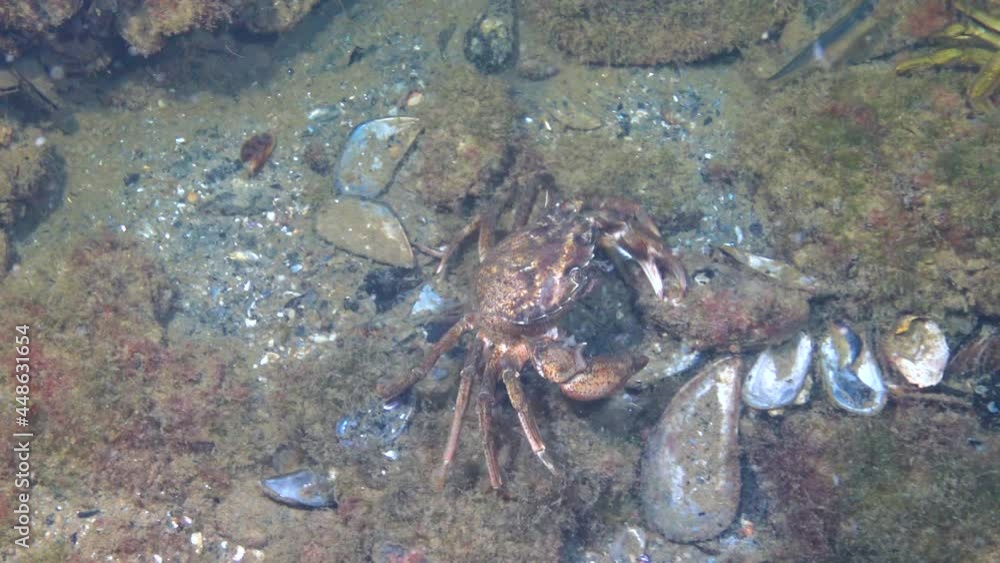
833, 45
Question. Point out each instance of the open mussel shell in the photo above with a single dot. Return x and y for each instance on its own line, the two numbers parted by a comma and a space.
850, 373
304, 488
777, 376
916, 350
373, 153
365, 228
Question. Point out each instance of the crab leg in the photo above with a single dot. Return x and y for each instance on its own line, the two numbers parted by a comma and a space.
527, 419
471, 227
392, 389
527, 195
468, 376
484, 408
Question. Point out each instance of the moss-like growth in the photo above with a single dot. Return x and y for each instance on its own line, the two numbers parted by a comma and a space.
465, 151
915, 482
651, 32
25, 170
885, 192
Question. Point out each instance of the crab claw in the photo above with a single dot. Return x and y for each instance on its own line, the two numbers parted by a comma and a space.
627, 231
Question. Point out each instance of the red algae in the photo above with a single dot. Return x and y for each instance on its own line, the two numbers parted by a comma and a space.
927, 19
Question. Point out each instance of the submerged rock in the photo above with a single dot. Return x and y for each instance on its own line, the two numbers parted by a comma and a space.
365, 228
491, 42
690, 482
372, 155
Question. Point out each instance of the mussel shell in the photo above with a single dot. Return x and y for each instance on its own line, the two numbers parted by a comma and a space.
778, 374
304, 488
850, 374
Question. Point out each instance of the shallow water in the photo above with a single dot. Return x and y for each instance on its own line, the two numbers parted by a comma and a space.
191, 329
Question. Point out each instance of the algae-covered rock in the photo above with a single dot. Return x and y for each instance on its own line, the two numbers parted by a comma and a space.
465, 149
25, 170
650, 32
491, 41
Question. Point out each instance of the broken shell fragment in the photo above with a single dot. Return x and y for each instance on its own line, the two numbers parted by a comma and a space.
304, 488
690, 482
374, 151
850, 374
365, 228
785, 274
778, 375
917, 350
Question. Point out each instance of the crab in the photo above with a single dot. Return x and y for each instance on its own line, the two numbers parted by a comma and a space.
979, 27
524, 285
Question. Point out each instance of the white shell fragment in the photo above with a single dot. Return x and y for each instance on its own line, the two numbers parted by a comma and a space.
917, 350
372, 155
304, 488
778, 375
850, 374
690, 479
785, 274
365, 228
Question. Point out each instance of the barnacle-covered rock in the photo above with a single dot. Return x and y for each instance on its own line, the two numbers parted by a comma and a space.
36, 16
147, 25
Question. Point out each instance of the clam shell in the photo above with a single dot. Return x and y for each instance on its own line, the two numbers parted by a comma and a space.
850, 374
917, 350
365, 228
373, 153
777, 376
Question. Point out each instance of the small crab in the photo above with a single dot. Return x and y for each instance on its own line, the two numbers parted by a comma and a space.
979, 27
524, 285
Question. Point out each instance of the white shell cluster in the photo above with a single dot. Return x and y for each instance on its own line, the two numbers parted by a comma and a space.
916, 350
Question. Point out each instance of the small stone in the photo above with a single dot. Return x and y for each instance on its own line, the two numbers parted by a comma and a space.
690, 482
